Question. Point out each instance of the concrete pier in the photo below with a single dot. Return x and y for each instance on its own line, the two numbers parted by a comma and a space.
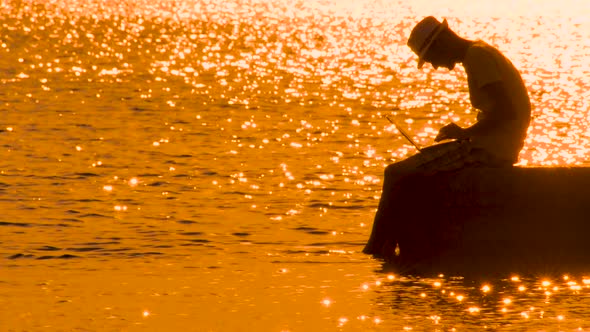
516, 220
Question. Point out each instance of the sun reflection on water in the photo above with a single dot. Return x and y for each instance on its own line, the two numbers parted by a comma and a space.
533, 306
218, 114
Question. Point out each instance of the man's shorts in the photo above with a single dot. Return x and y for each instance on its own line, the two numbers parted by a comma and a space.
454, 155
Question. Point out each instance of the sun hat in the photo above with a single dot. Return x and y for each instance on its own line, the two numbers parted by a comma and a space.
423, 35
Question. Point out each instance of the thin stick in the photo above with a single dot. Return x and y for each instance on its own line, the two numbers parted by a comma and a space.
403, 132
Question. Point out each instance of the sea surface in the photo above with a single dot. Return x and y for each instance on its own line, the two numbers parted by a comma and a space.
216, 165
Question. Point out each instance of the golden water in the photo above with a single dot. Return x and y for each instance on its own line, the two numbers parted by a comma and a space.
216, 165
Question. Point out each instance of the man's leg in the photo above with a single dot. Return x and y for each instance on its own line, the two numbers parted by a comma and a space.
389, 223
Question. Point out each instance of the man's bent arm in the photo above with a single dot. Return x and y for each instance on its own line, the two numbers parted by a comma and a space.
501, 111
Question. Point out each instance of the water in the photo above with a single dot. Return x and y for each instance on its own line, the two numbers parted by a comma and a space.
216, 165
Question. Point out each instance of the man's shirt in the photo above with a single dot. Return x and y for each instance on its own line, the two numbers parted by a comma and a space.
484, 65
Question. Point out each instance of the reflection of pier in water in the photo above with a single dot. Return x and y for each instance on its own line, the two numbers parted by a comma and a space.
494, 220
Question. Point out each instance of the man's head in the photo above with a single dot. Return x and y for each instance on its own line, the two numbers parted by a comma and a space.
424, 36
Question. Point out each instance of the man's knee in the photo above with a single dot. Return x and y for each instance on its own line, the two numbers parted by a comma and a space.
391, 169
397, 170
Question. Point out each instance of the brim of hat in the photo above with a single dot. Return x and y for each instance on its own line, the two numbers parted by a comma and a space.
440, 28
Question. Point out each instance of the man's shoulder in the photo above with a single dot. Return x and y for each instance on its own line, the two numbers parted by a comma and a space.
481, 54
480, 48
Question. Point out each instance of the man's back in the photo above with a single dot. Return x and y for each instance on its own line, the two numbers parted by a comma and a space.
485, 65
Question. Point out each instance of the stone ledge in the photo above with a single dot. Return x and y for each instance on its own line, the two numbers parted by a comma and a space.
525, 219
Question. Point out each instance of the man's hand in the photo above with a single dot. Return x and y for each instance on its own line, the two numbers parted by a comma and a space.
450, 131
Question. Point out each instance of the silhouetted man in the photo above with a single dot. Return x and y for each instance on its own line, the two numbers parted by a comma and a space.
496, 90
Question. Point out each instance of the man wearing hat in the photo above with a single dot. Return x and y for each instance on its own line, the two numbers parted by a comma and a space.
498, 93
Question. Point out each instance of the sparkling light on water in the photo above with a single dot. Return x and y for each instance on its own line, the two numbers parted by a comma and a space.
236, 148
